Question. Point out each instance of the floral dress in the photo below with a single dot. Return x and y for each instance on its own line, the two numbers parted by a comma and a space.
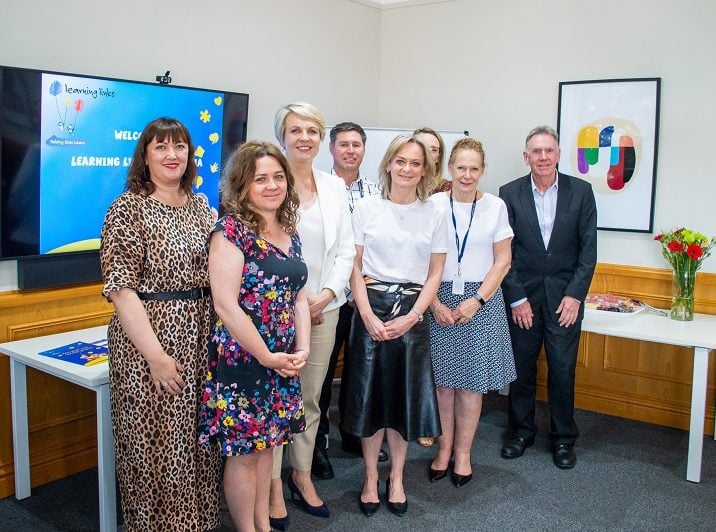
247, 407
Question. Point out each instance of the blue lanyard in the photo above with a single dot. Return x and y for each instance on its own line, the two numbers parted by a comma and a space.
461, 249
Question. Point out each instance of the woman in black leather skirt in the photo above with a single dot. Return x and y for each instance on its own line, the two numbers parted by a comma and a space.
401, 243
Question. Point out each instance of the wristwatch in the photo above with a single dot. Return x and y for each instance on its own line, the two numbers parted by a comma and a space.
479, 299
420, 316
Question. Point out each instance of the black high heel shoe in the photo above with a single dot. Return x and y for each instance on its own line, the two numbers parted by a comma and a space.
397, 508
460, 480
436, 474
369, 508
317, 511
279, 523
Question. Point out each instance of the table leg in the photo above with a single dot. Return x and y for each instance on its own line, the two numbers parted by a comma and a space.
105, 463
20, 431
698, 411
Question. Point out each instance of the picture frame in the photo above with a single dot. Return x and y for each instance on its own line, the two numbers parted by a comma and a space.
609, 136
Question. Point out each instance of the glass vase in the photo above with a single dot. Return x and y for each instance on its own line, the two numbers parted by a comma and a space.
682, 295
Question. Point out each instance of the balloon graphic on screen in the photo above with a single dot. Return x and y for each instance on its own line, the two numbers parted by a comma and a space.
55, 89
606, 153
79, 105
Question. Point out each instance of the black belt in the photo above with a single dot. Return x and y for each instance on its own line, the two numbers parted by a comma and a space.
194, 293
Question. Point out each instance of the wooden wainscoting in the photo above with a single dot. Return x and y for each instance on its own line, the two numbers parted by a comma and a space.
636, 380
640, 380
62, 416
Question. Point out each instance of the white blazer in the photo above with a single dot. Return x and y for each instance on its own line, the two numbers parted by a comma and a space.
339, 249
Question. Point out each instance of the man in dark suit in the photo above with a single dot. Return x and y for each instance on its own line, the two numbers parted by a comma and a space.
554, 252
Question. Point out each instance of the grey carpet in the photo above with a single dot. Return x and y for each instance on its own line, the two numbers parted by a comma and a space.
629, 476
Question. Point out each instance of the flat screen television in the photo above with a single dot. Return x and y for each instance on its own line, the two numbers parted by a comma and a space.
66, 143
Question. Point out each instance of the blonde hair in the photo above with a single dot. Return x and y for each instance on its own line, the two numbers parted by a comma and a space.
441, 158
467, 143
427, 182
302, 109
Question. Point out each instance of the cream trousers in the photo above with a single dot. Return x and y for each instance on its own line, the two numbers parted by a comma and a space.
300, 451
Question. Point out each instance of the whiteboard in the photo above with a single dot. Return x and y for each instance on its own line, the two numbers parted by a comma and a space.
377, 141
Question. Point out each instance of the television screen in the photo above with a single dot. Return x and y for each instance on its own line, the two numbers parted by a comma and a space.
67, 143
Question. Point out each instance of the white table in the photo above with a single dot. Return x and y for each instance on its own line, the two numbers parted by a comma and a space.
699, 334
23, 353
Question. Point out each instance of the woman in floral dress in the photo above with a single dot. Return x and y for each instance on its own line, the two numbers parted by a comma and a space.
252, 394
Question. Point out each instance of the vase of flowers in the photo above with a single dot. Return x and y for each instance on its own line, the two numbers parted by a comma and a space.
685, 250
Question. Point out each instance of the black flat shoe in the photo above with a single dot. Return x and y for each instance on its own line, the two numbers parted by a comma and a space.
369, 508
564, 456
515, 447
279, 523
436, 474
317, 511
397, 508
460, 480
383, 456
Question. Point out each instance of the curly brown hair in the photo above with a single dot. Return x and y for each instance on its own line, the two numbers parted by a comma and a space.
236, 181
138, 180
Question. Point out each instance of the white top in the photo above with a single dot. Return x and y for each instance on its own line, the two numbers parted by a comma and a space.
489, 225
336, 261
312, 244
398, 240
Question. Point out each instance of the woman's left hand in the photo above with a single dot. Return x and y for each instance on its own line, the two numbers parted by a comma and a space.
317, 303
397, 327
464, 312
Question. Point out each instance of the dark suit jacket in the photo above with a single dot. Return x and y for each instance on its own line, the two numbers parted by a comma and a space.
566, 267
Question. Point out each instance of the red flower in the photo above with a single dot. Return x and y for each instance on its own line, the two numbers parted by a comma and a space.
676, 247
694, 251
659, 237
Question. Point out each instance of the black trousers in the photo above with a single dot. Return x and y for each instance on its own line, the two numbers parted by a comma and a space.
561, 345
343, 330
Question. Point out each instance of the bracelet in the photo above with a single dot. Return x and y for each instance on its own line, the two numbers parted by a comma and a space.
308, 353
420, 316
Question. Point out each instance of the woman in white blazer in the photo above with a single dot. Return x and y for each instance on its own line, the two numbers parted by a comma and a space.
327, 246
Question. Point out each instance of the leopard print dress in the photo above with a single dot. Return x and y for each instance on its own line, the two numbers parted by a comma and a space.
167, 480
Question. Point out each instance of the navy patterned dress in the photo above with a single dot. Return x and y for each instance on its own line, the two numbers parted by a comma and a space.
246, 406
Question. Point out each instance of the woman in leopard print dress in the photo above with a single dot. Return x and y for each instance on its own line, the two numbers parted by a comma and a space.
154, 265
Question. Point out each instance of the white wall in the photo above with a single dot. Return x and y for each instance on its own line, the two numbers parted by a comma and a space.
490, 67
322, 51
494, 68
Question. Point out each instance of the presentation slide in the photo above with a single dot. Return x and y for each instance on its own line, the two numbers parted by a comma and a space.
89, 129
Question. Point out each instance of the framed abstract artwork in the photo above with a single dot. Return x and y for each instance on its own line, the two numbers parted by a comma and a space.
609, 135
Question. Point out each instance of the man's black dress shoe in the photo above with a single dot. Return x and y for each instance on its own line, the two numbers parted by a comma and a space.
515, 447
436, 474
321, 466
564, 456
397, 508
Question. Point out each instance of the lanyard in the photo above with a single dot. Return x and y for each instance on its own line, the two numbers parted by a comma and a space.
461, 250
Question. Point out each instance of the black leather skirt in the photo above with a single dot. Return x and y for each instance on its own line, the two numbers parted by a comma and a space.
390, 384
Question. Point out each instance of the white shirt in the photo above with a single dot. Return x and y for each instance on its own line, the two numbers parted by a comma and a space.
546, 205
490, 224
312, 245
398, 240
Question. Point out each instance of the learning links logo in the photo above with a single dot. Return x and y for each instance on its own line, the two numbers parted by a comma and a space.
607, 154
